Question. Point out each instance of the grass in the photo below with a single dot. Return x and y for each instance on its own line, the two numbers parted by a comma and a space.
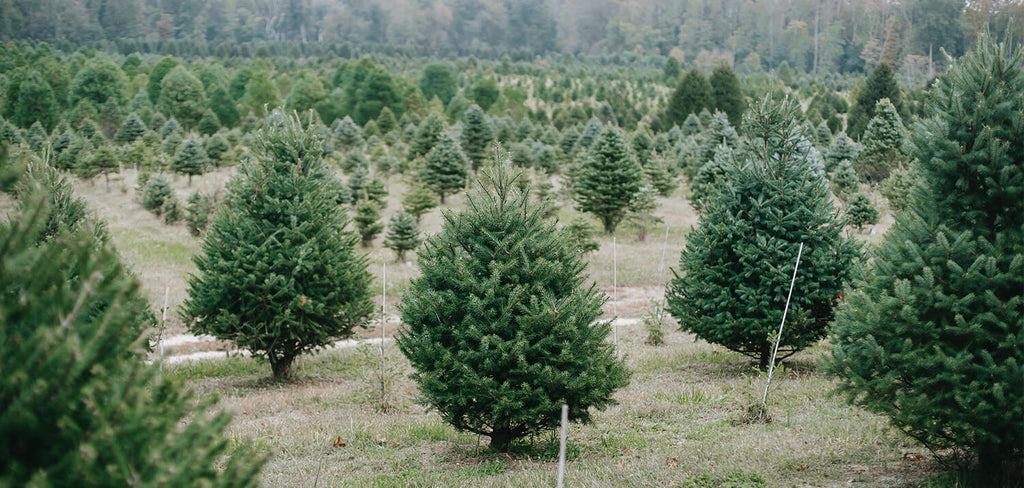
676, 424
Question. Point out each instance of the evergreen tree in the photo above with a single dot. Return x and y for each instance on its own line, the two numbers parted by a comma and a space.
589, 135
428, 133
89, 411
386, 121
445, 168
733, 275
898, 188
719, 133
224, 107
608, 179
278, 275
672, 69
156, 192
691, 126
931, 336
419, 200
191, 158
880, 84
182, 97
103, 162
35, 103
502, 328
439, 81
131, 130
691, 96
477, 135
99, 80
884, 146
260, 93
403, 235
842, 147
861, 212
727, 95
156, 77
367, 220
208, 124
711, 176
845, 180
485, 92
349, 135
657, 174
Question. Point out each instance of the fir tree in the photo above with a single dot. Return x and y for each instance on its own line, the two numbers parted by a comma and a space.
191, 158
428, 133
845, 180
898, 188
156, 77
419, 200
719, 133
477, 135
861, 212
691, 96
710, 177
439, 81
880, 84
182, 97
155, 192
883, 145
224, 107
367, 220
386, 121
216, 148
727, 95
608, 179
842, 147
589, 136
89, 411
208, 124
278, 275
403, 235
931, 336
445, 168
485, 92
691, 126
131, 130
502, 328
103, 162
731, 285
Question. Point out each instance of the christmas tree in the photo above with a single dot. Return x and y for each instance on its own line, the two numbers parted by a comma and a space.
477, 135
607, 179
502, 328
278, 275
191, 158
131, 130
445, 168
367, 220
883, 145
932, 335
419, 200
402, 235
730, 288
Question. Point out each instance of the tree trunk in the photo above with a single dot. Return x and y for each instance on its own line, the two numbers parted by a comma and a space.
501, 440
282, 367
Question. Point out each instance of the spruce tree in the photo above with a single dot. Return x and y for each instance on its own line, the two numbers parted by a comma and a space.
727, 95
502, 327
89, 411
884, 145
861, 212
589, 135
427, 134
691, 96
419, 200
734, 273
367, 220
191, 158
607, 179
224, 107
931, 337
348, 134
278, 275
477, 135
880, 84
403, 235
842, 147
445, 168
131, 130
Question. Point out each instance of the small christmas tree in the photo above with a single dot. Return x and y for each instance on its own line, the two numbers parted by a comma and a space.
861, 212
730, 288
428, 133
884, 145
402, 235
477, 135
445, 168
348, 134
191, 158
367, 220
419, 200
278, 275
131, 130
502, 328
607, 179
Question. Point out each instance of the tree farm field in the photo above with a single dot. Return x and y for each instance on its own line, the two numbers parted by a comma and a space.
678, 423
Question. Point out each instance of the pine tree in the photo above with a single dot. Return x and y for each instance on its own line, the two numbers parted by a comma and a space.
931, 336
445, 168
884, 145
727, 95
898, 188
131, 130
733, 275
477, 135
208, 124
403, 235
89, 411
842, 147
608, 179
278, 275
367, 220
691, 96
419, 200
191, 158
502, 328
861, 212
182, 97
427, 134
880, 84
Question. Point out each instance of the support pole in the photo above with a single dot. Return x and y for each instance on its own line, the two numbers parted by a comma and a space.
163, 327
561, 446
778, 338
615, 293
383, 326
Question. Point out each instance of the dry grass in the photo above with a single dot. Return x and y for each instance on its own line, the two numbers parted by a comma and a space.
675, 424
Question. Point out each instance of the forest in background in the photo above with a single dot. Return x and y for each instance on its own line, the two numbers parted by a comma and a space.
810, 36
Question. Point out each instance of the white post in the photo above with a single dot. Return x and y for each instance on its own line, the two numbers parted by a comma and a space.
778, 338
561, 445
615, 293
163, 326
383, 326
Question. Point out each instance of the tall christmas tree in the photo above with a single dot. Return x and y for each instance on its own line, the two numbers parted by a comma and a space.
191, 158
730, 288
446, 167
884, 144
477, 135
932, 337
278, 274
880, 84
608, 178
501, 326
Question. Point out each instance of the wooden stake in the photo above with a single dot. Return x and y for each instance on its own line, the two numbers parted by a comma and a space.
561, 445
778, 338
